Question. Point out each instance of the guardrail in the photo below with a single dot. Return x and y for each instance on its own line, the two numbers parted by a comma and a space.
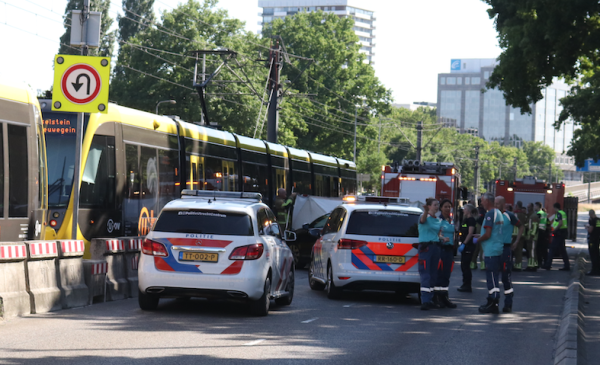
581, 191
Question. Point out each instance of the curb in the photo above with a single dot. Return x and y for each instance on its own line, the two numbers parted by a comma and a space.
571, 320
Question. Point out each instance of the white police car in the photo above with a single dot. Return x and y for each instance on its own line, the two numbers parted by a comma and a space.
367, 246
221, 245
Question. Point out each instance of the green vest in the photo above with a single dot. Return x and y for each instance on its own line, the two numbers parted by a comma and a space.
564, 221
543, 220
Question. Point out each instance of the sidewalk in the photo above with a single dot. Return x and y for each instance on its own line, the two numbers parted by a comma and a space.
589, 339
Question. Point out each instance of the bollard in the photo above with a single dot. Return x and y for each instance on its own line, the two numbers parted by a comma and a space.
74, 291
94, 273
113, 251
133, 246
14, 299
42, 280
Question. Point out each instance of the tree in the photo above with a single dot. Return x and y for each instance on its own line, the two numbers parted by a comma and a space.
107, 38
540, 157
136, 14
542, 40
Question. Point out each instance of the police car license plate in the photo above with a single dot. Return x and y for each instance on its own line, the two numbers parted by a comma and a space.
390, 259
198, 256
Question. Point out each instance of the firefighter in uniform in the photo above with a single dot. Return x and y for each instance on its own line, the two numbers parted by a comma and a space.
282, 205
543, 234
446, 263
429, 251
518, 247
559, 229
492, 245
511, 222
593, 243
532, 243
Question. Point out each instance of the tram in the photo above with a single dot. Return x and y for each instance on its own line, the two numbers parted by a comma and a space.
134, 162
23, 188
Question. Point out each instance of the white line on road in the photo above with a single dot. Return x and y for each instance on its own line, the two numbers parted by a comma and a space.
349, 305
254, 342
309, 320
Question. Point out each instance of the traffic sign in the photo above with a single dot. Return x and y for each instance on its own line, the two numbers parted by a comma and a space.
81, 84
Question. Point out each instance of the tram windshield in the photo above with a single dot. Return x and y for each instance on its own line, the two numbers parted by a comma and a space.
60, 131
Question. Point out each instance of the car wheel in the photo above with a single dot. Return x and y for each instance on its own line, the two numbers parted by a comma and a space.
333, 292
260, 307
314, 285
287, 300
147, 302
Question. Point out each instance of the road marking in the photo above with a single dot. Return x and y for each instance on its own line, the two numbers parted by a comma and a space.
349, 305
254, 342
309, 320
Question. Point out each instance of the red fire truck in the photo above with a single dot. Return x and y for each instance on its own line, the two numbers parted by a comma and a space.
417, 182
530, 190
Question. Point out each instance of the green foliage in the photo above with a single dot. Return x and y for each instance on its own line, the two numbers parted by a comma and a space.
137, 13
542, 40
107, 38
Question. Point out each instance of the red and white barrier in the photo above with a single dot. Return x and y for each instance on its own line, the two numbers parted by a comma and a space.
135, 244
41, 249
70, 247
100, 268
74, 291
11, 252
115, 246
43, 277
135, 262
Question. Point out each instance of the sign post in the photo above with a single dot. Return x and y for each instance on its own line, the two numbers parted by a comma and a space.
81, 85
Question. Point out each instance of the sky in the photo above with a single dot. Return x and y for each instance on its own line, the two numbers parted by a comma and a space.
415, 40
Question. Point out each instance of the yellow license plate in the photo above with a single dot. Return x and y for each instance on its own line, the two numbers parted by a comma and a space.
390, 259
199, 256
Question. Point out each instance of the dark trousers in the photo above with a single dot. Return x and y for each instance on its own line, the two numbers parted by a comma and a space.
506, 275
542, 248
492, 273
429, 258
558, 245
445, 267
465, 264
594, 247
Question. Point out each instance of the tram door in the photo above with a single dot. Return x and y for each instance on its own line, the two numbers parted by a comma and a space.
196, 180
279, 179
228, 176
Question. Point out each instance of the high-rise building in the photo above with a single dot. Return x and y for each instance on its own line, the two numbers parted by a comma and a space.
462, 96
364, 20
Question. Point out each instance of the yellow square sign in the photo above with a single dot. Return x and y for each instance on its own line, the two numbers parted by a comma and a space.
80, 84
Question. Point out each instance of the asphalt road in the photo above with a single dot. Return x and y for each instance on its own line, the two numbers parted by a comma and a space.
361, 328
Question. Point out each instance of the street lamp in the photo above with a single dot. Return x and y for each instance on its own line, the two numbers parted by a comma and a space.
164, 101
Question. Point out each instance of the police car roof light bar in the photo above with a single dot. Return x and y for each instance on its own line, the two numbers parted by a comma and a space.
212, 194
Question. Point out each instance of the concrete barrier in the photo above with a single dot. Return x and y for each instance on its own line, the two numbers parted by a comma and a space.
133, 245
42, 276
14, 299
74, 291
113, 252
94, 273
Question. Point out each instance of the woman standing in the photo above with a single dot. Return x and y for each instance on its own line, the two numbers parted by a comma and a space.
467, 232
429, 251
446, 256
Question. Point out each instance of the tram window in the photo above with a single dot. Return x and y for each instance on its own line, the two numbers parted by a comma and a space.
302, 182
255, 178
18, 186
168, 179
1, 171
98, 181
149, 178
131, 209
213, 173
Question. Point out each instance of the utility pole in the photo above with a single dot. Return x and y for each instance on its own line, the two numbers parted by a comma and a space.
355, 121
203, 80
515, 167
476, 174
589, 187
550, 174
273, 113
85, 14
379, 136
419, 140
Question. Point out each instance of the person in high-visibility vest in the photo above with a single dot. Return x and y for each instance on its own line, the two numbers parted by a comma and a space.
532, 262
518, 246
282, 205
593, 229
542, 235
559, 232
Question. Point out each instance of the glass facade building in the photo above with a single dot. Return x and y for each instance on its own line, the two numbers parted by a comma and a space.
364, 20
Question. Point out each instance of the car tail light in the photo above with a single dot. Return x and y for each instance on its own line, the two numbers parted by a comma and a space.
153, 248
350, 244
343, 277
250, 252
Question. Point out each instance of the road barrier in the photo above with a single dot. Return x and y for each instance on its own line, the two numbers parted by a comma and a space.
14, 299
42, 276
133, 246
113, 251
74, 291
94, 273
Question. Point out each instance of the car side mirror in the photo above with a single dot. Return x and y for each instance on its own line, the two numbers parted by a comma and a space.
289, 236
305, 226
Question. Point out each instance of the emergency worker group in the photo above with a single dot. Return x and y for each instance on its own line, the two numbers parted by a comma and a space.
498, 232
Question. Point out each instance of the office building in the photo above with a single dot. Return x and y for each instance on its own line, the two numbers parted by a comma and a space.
462, 96
364, 20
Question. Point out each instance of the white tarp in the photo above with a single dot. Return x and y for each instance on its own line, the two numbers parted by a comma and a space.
309, 208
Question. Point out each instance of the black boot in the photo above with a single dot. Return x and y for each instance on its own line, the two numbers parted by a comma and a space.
427, 306
437, 300
465, 289
490, 307
446, 300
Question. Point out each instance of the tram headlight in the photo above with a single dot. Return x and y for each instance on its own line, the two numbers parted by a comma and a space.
56, 214
53, 223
